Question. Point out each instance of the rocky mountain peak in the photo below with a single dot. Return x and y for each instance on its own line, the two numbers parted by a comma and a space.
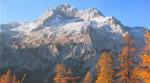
62, 35
65, 13
65, 10
63, 7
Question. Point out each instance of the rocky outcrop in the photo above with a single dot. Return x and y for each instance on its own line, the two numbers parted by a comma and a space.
64, 34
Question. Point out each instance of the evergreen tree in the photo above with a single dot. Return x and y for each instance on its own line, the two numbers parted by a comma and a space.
126, 67
105, 68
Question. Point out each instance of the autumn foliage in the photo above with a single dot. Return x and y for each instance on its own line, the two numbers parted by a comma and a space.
8, 77
143, 69
106, 71
64, 75
87, 78
127, 70
126, 67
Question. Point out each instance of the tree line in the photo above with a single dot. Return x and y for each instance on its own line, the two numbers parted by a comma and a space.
128, 70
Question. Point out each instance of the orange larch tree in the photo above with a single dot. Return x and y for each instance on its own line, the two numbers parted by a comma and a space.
143, 69
87, 78
64, 75
126, 67
105, 68
60, 74
8, 77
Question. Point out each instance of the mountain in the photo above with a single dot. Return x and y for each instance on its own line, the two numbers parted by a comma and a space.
62, 35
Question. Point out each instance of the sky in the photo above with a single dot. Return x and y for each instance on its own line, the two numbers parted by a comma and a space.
129, 12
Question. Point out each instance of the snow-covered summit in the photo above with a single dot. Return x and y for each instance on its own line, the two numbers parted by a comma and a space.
65, 13
61, 33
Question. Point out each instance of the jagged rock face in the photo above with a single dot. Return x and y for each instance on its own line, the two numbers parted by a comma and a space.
59, 35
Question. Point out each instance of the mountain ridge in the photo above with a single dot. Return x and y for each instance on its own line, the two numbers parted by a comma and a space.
61, 34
